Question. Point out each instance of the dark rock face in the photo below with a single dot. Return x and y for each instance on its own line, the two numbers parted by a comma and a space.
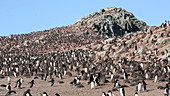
112, 22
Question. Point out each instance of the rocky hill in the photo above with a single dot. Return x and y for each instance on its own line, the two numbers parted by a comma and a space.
105, 45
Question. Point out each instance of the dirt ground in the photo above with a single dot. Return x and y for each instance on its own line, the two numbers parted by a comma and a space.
65, 89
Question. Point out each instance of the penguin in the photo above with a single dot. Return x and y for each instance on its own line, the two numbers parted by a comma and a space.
60, 75
122, 91
139, 87
156, 78
56, 94
91, 78
136, 94
166, 90
92, 84
27, 93
19, 83
31, 83
8, 87
116, 85
96, 80
125, 75
42, 76
104, 94
73, 82
112, 79
109, 93
77, 80
9, 93
9, 79
44, 94
52, 81
144, 85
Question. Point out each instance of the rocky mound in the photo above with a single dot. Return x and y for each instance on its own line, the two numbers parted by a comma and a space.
113, 22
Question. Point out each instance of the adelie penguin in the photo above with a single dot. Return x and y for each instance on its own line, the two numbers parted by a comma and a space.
19, 83
125, 76
109, 93
136, 94
75, 81
104, 94
166, 90
56, 94
10, 93
31, 83
144, 85
27, 93
139, 87
116, 85
8, 87
91, 78
92, 84
44, 94
122, 91
60, 75
52, 81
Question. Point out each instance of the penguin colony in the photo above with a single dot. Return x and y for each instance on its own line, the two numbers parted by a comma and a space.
86, 71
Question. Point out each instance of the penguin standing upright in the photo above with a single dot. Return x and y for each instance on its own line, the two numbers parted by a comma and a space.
52, 81
116, 85
125, 76
112, 79
31, 83
156, 78
122, 91
139, 87
144, 85
92, 84
9, 79
166, 90
60, 75
8, 87
91, 78
19, 83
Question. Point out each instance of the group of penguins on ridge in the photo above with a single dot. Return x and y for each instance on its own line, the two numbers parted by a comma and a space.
131, 72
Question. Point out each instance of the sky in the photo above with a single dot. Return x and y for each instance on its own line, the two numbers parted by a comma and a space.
25, 16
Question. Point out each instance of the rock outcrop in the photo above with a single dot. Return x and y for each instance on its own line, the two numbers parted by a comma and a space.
112, 22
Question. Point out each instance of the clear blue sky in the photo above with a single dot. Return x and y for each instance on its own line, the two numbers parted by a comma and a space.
25, 16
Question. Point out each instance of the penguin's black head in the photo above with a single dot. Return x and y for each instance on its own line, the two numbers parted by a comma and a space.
56, 94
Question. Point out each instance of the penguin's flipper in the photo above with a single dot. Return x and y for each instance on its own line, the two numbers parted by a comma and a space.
124, 86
